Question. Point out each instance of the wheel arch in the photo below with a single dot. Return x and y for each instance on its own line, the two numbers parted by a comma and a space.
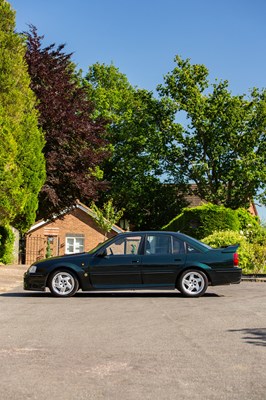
197, 267
64, 267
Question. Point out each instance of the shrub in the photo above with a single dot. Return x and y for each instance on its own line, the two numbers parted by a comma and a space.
250, 227
203, 220
247, 220
48, 253
7, 239
259, 262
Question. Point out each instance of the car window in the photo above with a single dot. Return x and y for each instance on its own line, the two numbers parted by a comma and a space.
163, 244
158, 244
125, 246
178, 246
191, 249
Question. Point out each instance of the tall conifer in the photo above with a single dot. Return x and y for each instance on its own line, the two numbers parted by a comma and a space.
22, 165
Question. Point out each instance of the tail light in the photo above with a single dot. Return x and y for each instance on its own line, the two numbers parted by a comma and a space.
236, 260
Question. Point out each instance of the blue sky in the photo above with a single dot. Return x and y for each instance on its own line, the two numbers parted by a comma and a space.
142, 37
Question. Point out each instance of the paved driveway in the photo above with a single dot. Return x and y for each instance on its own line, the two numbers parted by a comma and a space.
134, 345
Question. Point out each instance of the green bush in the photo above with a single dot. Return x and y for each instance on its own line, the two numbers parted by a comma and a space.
247, 220
7, 239
250, 227
48, 253
203, 220
252, 257
259, 262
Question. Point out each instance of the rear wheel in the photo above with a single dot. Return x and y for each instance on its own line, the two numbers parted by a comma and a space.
192, 283
63, 283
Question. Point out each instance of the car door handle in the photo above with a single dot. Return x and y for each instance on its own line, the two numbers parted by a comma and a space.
135, 261
177, 259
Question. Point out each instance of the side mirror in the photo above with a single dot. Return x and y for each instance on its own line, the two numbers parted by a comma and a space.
102, 253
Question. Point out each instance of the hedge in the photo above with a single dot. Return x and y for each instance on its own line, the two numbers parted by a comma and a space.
203, 220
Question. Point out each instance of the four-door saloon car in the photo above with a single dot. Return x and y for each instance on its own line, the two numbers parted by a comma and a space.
138, 260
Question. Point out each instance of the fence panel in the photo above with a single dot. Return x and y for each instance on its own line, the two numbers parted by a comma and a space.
37, 248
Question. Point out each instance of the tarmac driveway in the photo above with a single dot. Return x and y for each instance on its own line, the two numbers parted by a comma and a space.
134, 345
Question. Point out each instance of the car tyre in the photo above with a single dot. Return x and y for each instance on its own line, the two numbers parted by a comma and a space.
192, 283
63, 283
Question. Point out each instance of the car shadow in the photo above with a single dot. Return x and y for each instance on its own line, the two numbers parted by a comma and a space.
138, 294
108, 294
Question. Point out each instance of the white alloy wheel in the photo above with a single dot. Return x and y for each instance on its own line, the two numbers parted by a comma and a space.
63, 284
193, 283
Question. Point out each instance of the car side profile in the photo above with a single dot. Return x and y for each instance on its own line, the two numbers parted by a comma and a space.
138, 260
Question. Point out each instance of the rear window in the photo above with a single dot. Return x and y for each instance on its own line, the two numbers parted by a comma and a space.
195, 244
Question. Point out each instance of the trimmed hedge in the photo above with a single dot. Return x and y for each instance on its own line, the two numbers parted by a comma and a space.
203, 220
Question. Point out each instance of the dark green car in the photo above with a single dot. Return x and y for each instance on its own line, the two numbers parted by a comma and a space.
138, 260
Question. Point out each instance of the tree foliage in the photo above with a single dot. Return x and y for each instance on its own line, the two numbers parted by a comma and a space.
222, 149
22, 165
74, 142
139, 131
107, 216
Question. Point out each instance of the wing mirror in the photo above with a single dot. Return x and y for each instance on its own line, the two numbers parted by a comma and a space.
102, 253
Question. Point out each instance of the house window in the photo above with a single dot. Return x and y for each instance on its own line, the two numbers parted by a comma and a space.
74, 243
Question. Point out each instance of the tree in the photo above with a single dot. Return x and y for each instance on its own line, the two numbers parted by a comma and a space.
222, 150
74, 142
140, 130
107, 216
22, 165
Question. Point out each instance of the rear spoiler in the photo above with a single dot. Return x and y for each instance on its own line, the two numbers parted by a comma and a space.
230, 249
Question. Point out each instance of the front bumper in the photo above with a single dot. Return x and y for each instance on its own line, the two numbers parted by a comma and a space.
34, 282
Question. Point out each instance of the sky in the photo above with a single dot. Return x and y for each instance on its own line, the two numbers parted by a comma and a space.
142, 37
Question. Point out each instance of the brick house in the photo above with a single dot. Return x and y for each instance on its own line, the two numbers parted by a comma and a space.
72, 232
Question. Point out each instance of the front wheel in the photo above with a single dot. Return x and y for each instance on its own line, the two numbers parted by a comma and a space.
63, 283
192, 283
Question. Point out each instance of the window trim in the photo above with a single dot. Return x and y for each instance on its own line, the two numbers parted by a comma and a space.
124, 245
74, 236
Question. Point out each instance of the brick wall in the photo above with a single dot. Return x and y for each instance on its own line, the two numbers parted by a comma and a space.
76, 222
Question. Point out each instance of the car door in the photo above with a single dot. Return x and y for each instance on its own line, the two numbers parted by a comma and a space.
164, 256
118, 264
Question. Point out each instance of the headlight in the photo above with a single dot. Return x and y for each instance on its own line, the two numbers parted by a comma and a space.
32, 269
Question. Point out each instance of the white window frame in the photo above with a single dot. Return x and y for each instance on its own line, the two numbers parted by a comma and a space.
76, 246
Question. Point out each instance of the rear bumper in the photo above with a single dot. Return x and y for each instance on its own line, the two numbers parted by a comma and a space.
34, 282
226, 276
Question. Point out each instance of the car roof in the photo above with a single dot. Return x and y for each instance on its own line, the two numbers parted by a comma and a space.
150, 232
179, 235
